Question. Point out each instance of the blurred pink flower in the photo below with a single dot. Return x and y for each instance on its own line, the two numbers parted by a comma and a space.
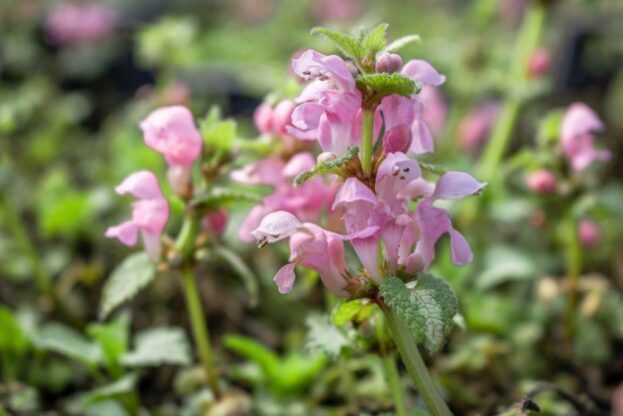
539, 63
541, 181
589, 233
339, 10
149, 213
171, 131
216, 222
254, 11
435, 112
74, 23
577, 137
475, 129
617, 401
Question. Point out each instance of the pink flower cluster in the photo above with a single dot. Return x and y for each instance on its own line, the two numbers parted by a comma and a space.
307, 201
376, 210
170, 131
577, 137
73, 23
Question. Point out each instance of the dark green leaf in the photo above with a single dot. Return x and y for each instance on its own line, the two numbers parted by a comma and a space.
387, 84
349, 46
133, 274
332, 167
427, 309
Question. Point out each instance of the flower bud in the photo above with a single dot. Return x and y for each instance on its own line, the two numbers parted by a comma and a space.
216, 222
539, 63
388, 62
263, 118
397, 139
281, 116
541, 181
589, 233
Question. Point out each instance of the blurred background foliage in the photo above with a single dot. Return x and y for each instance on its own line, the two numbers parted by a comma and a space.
68, 134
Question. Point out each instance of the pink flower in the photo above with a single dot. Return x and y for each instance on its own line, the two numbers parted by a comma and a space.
339, 10
435, 111
310, 246
306, 201
476, 127
216, 222
589, 233
577, 137
171, 131
541, 181
539, 64
76, 23
149, 213
273, 121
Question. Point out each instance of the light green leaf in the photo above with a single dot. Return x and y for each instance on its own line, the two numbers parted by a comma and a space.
122, 386
336, 166
159, 346
113, 340
216, 198
349, 46
12, 337
323, 337
353, 310
217, 134
427, 309
401, 43
132, 275
503, 264
64, 340
242, 270
387, 84
375, 40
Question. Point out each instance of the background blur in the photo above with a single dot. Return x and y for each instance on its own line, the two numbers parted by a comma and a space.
76, 78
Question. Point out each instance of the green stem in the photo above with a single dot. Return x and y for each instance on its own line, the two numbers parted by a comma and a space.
367, 133
200, 329
186, 239
415, 365
393, 377
573, 257
527, 41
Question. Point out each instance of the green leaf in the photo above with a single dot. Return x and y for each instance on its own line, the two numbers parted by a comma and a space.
120, 387
132, 275
254, 351
113, 340
387, 84
375, 41
64, 340
401, 43
217, 134
159, 346
242, 270
356, 310
349, 46
12, 337
432, 168
323, 337
427, 309
216, 198
332, 167
503, 264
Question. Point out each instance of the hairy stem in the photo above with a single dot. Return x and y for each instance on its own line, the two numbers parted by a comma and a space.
527, 41
367, 132
415, 364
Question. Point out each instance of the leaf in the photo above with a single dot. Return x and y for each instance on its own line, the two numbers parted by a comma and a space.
503, 264
242, 270
427, 310
332, 167
432, 168
113, 340
254, 351
387, 84
222, 197
323, 337
12, 337
159, 346
64, 340
353, 310
122, 386
375, 41
132, 275
217, 134
401, 43
345, 43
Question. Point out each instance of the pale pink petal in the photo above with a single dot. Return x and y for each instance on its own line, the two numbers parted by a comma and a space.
151, 241
284, 279
300, 162
461, 252
126, 232
142, 184
314, 65
424, 72
263, 118
264, 172
456, 185
276, 226
422, 138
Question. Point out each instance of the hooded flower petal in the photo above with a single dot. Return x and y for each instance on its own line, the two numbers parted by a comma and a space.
276, 226
314, 65
456, 185
422, 71
142, 184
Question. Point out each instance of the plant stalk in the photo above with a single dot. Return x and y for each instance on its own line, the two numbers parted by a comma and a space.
367, 139
573, 258
393, 378
415, 364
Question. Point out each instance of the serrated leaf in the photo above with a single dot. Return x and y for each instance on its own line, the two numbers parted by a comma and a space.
217, 134
375, 41
356, 310
64, 340
401, 43
427, 309
216, 198
332, 167
132, 275
323, 337
349, 46
387, 84
159, 346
